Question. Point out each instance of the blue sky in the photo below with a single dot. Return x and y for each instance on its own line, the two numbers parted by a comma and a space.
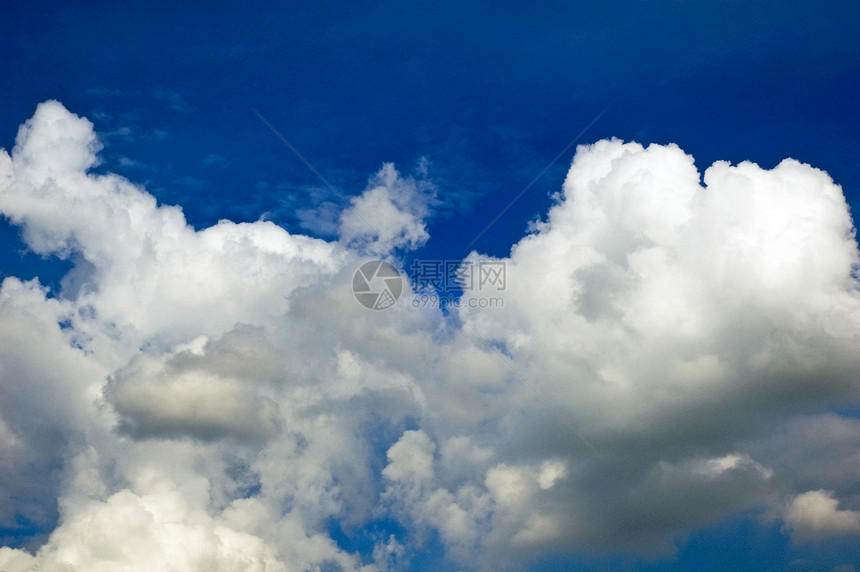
489, 96
470, 102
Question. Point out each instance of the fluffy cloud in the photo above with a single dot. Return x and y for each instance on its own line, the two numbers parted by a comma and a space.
204, 390
669, 352
388, 215
816, 514
668, 319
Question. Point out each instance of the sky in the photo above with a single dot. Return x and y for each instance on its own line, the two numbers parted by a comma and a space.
616, 324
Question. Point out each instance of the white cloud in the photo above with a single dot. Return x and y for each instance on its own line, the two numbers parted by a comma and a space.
816, 514
665, 319
155, 273
215, 399
388, 215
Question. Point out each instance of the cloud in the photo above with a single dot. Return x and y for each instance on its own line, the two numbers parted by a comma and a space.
55, 142
126, 162
214, 160
815, 514
44, 404
388, 215
103, 92
670, 352
206, 390
315, 208
666, 318
175, 100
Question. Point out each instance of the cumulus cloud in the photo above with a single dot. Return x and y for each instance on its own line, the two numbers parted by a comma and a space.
389, 214
816, 514
669, 352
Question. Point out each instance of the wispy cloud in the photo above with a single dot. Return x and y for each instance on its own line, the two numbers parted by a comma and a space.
214, 160
175, 100
103, 92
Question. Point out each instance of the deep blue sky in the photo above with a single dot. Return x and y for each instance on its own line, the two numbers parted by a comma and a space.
489, 94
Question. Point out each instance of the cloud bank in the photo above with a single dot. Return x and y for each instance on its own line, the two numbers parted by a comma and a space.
672, 349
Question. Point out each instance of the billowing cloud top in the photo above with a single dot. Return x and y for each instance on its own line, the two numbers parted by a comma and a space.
668, 351
388, 215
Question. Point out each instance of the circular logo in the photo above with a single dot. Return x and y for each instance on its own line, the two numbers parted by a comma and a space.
377, 285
